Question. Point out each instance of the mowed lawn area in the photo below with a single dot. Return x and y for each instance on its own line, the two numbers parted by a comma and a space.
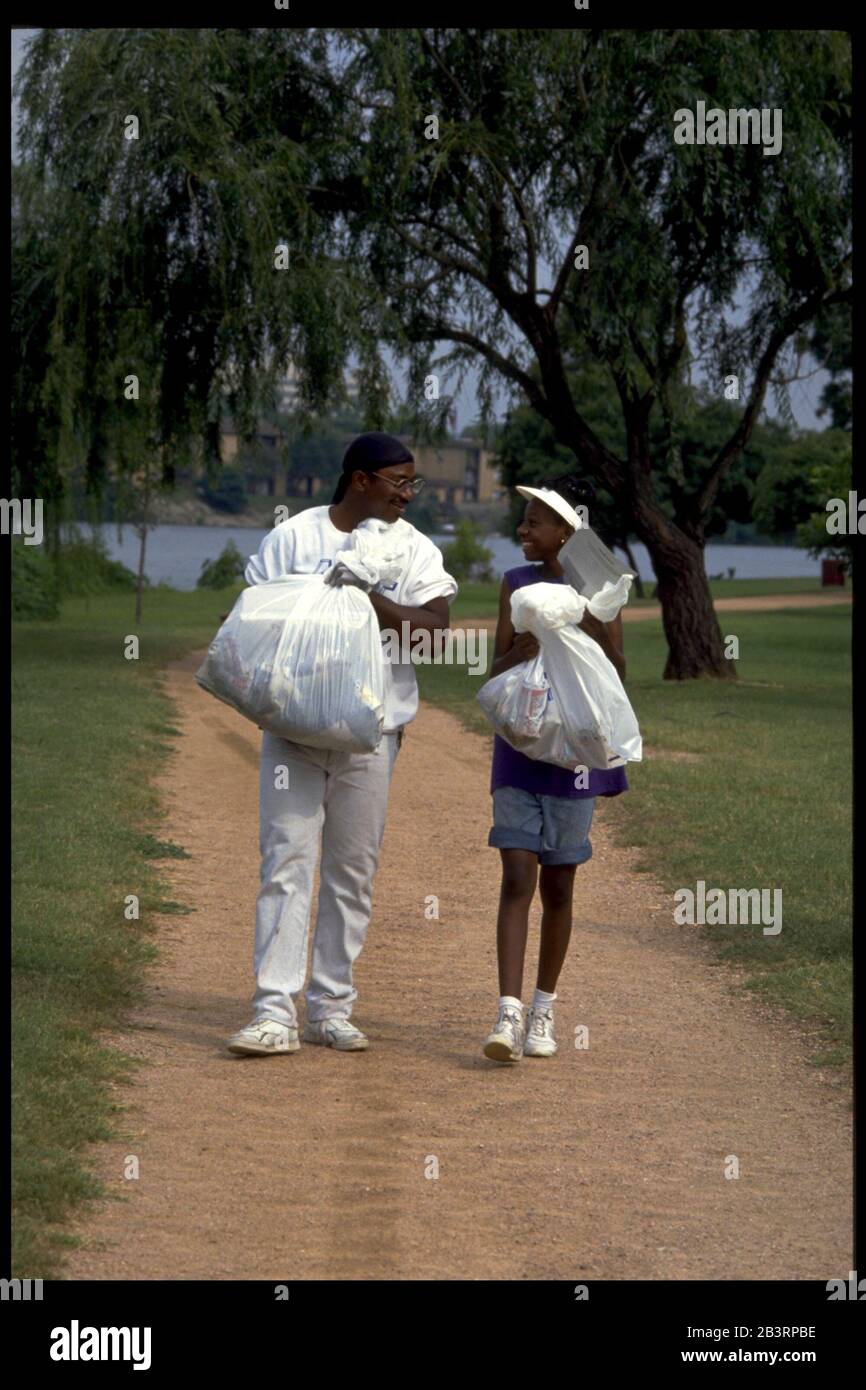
765, 804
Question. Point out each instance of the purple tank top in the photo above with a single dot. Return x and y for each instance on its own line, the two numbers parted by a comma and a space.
513, 769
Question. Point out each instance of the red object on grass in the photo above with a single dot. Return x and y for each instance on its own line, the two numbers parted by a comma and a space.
832, 572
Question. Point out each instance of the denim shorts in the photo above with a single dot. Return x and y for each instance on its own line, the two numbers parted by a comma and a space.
556, 828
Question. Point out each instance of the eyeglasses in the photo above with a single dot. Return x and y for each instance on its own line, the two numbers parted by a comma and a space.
416, 484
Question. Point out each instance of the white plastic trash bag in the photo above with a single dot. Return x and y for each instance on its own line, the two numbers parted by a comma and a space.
521, 707
567, 705
302, 657
377, 555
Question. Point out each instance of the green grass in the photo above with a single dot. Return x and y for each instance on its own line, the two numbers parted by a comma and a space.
752, 588
767, 804
482, 600
89, 727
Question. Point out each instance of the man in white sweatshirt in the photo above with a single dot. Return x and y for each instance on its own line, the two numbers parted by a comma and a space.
338, 797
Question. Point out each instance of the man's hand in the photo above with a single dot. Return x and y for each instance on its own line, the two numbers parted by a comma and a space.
340, 574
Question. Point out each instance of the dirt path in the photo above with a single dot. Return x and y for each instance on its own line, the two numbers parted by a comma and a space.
606, 1162
753, 603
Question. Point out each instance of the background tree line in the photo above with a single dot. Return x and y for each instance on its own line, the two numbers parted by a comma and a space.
155, 256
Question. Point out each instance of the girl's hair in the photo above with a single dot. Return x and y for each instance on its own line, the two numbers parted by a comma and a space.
573, 488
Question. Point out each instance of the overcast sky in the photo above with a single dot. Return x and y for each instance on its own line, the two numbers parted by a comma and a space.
804, 394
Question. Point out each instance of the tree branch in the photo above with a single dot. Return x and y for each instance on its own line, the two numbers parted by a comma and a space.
443, 231
526, 221
450, 262
434, 53
741, 435
435, 332
567, 266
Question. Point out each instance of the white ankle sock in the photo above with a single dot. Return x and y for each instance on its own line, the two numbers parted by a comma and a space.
510, 1001
542, 999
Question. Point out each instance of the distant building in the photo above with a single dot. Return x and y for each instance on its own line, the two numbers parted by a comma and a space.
458, 472
311, 487
455, 473
268, 436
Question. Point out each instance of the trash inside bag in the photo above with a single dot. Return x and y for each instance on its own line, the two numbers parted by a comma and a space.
301, 656
302, 659
544, 608
567, 705
376, 556
523, 710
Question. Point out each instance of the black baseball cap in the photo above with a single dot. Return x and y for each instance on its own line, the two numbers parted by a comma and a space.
369, 453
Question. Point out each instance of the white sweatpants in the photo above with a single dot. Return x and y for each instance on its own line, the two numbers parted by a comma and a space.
343, 797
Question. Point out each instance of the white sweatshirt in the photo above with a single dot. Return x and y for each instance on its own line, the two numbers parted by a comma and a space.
309, 542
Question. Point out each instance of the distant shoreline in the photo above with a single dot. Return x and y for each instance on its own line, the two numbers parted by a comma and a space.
245, 522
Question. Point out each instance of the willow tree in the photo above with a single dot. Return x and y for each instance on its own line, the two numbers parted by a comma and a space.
181, 249
437, 187
545, 142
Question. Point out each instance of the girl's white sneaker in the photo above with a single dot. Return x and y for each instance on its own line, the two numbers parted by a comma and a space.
505, 1043
540, 1041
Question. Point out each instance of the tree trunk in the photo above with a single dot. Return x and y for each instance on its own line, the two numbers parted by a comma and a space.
638, 582
695, 643
142, 531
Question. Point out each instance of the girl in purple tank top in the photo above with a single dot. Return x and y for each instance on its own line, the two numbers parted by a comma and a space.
541, 812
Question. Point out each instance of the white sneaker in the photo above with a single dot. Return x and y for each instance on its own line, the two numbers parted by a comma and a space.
540, 1041
263, 1037
336, 1032
505, 1043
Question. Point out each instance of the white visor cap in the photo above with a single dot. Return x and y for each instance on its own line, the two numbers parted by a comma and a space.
555, 502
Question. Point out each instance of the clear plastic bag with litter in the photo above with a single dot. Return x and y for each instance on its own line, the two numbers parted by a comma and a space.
301, 656
567, 705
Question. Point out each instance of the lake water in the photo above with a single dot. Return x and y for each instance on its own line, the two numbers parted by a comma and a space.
175, 554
